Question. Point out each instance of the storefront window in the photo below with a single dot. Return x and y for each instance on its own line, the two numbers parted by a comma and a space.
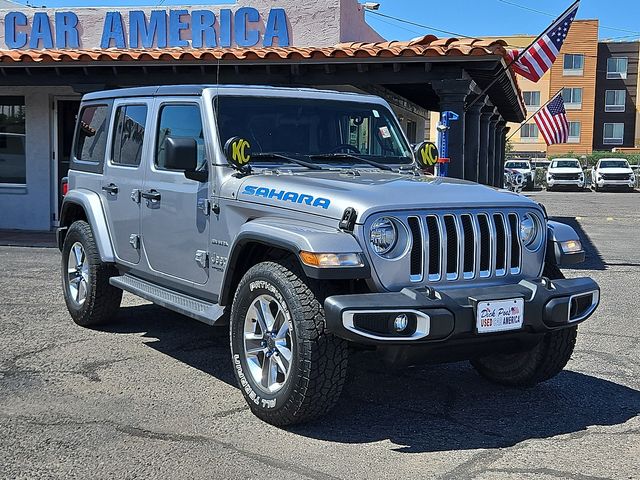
13, 162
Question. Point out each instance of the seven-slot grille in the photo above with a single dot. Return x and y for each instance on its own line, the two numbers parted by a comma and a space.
464, 246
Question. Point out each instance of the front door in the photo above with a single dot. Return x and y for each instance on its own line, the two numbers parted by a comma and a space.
66, 112
175, 225
123, 175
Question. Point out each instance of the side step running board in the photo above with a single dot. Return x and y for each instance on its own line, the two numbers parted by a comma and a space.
200, 310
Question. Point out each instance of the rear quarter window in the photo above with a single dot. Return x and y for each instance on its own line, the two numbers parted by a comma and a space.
91, 135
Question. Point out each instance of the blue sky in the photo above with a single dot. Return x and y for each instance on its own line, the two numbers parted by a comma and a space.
500, 17
619, 19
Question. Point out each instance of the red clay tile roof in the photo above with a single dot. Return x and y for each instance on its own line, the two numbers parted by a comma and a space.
427, 46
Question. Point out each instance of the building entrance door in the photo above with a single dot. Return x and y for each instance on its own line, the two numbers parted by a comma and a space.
65, 112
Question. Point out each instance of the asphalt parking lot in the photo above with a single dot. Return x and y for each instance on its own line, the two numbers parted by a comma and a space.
153, 395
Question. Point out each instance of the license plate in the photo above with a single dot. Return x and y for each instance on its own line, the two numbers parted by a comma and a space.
500, 315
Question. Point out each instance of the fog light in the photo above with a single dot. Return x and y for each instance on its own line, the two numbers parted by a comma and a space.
571, 246
401, 322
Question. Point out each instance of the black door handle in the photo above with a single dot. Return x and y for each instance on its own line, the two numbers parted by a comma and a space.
111, 189
152, 195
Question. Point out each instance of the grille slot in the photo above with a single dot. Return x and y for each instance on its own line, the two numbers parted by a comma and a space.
485, 245
433, 232
501, 245
416, 249
514, 224
468, 266
452, 246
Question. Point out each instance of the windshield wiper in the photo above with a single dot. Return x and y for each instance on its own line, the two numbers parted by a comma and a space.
381, 166
279, 156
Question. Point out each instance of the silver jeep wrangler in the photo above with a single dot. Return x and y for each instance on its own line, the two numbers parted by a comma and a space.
303, 220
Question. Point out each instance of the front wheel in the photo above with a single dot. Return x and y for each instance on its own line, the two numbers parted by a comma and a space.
541, 363
290, 370
526, 369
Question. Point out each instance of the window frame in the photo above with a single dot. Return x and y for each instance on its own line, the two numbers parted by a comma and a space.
531, 92
612, 140
13, 185
112, 132
86, 165
529, 138
573, 72
572, 105
617, 75
615, 107
574, 139
157, 112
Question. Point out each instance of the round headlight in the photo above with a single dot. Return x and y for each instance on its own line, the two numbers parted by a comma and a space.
383, 235
528, 230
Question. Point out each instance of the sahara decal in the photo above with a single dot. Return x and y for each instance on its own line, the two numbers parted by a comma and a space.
285, 196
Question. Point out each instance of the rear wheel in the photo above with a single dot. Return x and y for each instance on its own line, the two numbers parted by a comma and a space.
290, 370
541, 363
90, 299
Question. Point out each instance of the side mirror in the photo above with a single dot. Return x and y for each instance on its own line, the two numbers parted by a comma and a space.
180, 153
426, 154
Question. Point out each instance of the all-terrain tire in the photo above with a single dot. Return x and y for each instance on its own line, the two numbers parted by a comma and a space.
102, 300
526, 369
542, 362
318, 364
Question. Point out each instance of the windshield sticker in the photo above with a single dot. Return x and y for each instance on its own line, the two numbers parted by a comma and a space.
384, 131
376, 114
282, 195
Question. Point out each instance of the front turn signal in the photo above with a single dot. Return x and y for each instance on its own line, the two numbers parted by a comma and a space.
331, 260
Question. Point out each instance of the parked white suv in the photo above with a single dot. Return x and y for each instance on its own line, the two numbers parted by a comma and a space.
612, 172
565, 172
524, 167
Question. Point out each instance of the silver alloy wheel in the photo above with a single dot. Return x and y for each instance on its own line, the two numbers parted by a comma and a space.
78, 274
268, 343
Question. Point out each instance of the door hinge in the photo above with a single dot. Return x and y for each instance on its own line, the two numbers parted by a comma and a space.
202, 258
135, 195
204, 204
134, 240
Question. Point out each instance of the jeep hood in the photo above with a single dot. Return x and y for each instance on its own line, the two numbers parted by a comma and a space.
329, 193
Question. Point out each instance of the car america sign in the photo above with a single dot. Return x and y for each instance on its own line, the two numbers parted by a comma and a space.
198, 28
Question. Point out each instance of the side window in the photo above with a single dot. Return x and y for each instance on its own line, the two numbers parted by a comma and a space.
180, 121
128, 135
92, 134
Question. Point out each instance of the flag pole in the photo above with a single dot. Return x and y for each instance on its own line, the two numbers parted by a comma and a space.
517, 57
536, 112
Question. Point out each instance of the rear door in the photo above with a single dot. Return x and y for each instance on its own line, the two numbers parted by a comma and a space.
124, 174
175, 221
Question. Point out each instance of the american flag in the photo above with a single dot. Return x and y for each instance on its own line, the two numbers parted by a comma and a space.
536, 59
552, 122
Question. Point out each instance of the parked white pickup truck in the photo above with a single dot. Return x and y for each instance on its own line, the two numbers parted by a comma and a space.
612, 172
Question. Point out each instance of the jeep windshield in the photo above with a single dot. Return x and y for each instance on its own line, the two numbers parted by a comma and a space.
614, 164
319, 131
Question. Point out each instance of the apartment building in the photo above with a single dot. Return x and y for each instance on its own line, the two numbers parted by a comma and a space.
574, 73
616, 114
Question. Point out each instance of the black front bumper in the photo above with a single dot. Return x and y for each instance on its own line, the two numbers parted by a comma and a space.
450, 316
